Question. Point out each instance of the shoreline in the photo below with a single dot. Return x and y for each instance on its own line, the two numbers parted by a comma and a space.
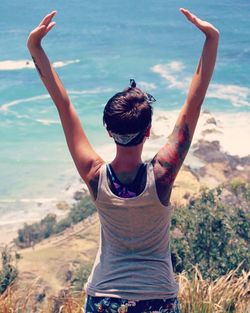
210, 128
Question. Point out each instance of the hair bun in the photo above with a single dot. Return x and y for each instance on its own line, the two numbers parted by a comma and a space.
132, 83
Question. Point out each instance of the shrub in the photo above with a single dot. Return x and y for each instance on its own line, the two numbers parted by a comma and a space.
28, 235
213, 233
80, 277
36, 232
81, 210
62, 225
8, 272
47, 225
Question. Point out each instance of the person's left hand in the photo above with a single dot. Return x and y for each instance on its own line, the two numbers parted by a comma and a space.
37, 34
208, 29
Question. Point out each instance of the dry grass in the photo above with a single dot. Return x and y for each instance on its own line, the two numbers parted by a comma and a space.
67, 302
228, 294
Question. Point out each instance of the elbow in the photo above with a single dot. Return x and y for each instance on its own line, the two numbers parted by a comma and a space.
214, 35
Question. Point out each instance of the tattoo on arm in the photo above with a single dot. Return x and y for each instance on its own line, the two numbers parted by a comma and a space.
178, 147
168, 161
171, 156
37, 67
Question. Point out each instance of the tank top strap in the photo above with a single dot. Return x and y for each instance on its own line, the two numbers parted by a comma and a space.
152, 184
102, 181
104, 192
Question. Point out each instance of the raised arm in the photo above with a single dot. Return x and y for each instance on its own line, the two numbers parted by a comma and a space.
169, 159
85, 158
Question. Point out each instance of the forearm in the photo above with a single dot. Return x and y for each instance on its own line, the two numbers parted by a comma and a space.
203, 73
49, 77
190, 112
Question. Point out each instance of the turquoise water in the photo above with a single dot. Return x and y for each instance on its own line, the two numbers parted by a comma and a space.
107, 43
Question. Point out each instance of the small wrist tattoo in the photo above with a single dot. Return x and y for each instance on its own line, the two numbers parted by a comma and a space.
37, 67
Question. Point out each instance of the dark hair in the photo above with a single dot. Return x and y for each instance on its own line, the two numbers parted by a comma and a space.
128, 112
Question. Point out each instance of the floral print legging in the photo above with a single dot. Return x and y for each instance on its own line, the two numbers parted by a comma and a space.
117, 305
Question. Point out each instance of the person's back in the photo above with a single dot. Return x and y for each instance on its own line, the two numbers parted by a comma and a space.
134, 244
133, 270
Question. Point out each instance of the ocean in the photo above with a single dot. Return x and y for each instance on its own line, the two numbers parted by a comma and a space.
96, 47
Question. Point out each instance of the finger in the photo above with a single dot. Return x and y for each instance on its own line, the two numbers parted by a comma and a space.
184, 11
47, 19
39, 29
191, 17
44, 19
51, 14
50, 26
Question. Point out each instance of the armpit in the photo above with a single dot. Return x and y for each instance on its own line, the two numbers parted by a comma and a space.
93, 186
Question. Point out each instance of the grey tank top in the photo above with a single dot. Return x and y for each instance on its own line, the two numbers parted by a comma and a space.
133, 260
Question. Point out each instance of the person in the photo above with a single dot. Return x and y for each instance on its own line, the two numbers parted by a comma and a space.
133, 270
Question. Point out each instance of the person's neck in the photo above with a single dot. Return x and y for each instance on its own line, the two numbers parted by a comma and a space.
127, 158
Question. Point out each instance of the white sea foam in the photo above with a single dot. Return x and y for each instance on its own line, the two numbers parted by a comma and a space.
172, 72
238, 96
59, 64
13, 65
5, 107
7, 200
15, 222
147, 86
98, 90
37, 200
22, 211
28, 200
176, 66
47, 122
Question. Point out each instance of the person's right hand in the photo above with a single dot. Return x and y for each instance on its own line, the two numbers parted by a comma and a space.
37, 34
208, 29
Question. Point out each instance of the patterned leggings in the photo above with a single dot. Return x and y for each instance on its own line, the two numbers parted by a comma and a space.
117, 305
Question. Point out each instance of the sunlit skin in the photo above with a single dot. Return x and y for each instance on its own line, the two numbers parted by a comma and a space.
169, 159
127, 160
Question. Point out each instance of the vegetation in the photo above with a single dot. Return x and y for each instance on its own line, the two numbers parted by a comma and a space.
210, 253
228, 294
80, 277
8, 272
213, 231
36, 232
